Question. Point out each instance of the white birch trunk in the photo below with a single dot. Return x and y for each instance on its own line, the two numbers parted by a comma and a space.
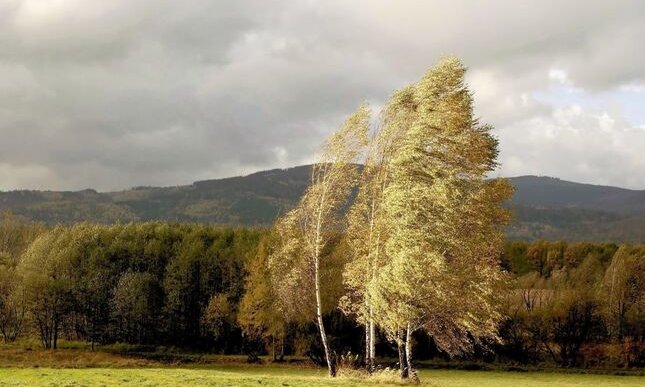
367, 347
372, 342
403, 366
408, 350
331, 366
321, 327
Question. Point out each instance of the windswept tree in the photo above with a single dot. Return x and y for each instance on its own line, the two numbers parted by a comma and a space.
444, 222
367, 229
304, 233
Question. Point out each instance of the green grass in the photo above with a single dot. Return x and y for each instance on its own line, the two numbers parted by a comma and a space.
234, 375
118, 365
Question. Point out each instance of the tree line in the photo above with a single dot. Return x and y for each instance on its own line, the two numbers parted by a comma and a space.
573, 304
148, 283
577, 304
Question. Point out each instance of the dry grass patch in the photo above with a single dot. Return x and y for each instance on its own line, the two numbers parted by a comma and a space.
68, 358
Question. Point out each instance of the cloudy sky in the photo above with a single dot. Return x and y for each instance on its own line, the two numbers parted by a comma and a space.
117, 93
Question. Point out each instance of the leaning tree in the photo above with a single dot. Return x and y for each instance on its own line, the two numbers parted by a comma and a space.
444, 222
305, 232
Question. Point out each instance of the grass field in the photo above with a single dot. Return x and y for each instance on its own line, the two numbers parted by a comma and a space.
233, 375
74, 365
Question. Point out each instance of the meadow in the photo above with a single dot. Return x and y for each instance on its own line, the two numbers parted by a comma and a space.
236, 375
74, 364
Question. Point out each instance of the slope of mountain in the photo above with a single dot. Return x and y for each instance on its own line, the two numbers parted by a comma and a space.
544, 207
548, 192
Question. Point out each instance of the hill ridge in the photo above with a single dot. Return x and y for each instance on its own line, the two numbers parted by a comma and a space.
546, 207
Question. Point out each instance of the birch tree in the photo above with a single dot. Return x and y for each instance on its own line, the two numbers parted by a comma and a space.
444, 222
304, 232
367, 231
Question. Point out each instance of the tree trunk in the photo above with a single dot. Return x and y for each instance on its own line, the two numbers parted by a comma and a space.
372, 343
403, 365
273, 347
408, 352
331, 366
55, 340
44, 337
367, 349
548, 347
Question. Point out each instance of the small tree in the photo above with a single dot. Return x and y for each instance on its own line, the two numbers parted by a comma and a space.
218, 315
15, 237
12, 304
47, 272
260, 314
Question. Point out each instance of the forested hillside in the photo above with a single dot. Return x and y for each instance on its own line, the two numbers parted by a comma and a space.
545, 207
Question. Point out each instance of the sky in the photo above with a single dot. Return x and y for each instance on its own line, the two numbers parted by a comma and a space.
120, 93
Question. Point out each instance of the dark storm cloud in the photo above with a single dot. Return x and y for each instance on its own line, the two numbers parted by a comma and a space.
111, 94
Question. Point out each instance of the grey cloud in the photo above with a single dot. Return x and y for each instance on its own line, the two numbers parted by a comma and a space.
121, 93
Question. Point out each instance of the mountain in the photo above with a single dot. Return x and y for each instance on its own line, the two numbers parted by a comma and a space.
550, 208
544, 207
549, 192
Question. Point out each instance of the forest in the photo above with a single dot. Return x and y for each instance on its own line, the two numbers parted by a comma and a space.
204, 288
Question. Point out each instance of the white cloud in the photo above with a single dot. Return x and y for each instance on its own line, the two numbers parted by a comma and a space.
633, 88
575, 144
559, 76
